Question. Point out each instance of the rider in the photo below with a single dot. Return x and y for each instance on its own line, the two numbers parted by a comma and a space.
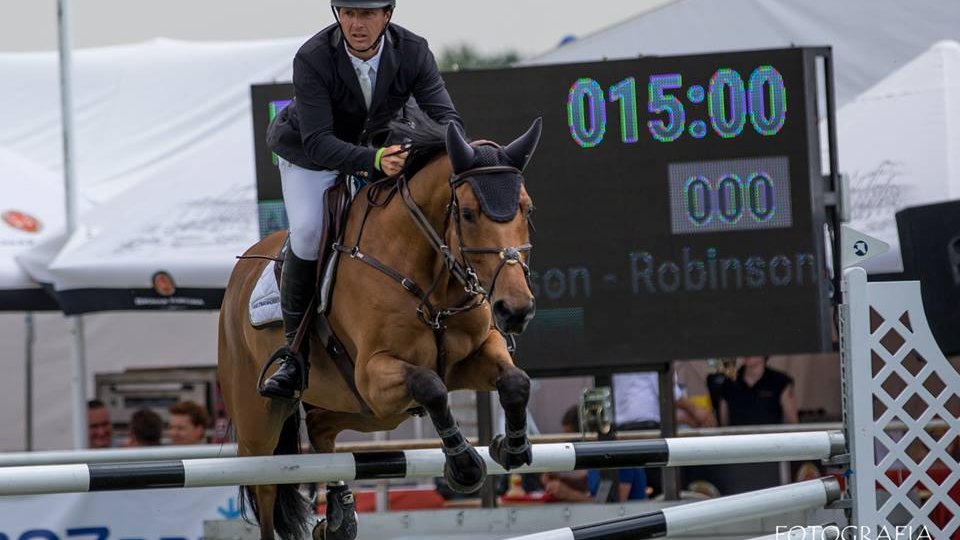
350, 80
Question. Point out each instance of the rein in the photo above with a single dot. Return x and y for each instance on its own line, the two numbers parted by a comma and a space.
461, 269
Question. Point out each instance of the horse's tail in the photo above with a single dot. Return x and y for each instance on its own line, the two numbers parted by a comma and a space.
291, 510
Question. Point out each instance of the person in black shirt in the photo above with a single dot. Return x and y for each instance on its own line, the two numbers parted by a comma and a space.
758, 395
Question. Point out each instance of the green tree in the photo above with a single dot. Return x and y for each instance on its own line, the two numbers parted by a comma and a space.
465, 56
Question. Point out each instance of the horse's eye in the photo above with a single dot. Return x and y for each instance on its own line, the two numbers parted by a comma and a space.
529, 210
468, 215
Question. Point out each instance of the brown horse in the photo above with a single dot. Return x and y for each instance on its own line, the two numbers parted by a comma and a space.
432, 275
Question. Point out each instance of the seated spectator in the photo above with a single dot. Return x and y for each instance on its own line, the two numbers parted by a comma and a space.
188, 423
146, 428
758, 395
99, 427
582, 486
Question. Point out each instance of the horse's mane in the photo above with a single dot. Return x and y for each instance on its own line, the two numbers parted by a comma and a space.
425, 137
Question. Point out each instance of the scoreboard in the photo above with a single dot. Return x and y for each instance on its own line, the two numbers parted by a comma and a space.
679, 205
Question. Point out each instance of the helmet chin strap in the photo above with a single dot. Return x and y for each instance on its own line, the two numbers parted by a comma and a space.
376, 42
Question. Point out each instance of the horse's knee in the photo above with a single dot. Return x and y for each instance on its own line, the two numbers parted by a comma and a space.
427, 389
514, 389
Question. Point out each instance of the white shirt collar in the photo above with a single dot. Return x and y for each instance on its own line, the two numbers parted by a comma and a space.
373, 62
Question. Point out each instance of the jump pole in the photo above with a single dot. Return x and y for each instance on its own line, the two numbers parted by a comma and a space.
303, 468
109, 455
687, 518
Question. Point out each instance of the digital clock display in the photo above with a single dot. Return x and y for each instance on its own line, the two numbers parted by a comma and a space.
731, 101
679, 205
730, 195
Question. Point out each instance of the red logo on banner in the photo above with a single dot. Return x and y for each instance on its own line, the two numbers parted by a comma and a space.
163, 284
21, 221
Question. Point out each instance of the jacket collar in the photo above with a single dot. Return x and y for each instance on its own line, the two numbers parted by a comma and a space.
389, 64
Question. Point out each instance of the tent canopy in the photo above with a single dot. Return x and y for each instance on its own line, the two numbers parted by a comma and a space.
31, 211
165, 154
870, 38
900, 147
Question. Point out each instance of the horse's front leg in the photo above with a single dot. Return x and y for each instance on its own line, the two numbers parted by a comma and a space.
464, 469
492, 367
389, 384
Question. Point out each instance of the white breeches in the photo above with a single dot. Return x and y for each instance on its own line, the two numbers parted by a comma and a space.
303, 191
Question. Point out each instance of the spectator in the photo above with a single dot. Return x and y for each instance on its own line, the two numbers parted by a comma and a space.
582, 486
188, 423
99, 428
146, 428
758, 395
637, 403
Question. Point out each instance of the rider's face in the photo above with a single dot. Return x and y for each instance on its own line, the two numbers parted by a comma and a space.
362, 27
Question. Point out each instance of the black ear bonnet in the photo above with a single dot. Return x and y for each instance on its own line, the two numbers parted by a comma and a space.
497, 191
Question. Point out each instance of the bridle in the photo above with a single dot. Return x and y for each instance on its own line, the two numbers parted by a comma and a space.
460, 268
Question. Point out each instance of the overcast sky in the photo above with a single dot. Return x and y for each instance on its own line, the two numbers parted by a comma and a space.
529, 26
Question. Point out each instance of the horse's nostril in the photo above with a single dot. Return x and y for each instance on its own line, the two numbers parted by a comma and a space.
500, 309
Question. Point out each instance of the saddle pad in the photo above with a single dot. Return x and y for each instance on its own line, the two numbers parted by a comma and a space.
265, 299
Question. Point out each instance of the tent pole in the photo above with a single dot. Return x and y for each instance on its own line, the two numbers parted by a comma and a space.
29, 368
79, 376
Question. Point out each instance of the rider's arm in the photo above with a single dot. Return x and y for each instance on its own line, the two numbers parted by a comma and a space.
316, 125
430, 92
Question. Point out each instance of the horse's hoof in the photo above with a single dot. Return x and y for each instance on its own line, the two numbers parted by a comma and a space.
508, 457
465, 472
320, 530
342, 533
341, 520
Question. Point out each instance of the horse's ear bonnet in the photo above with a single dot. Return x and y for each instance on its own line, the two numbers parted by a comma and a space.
498, 192
521, 150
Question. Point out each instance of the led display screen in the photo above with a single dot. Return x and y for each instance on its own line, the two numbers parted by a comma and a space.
679, 205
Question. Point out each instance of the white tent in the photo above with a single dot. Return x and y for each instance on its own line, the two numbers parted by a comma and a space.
870, 38
899, 144
165, 154
165, 150
31, 211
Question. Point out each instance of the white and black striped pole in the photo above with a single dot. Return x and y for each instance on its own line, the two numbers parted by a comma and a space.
295, 469
687, 518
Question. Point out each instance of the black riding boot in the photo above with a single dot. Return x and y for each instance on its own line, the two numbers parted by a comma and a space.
298, 285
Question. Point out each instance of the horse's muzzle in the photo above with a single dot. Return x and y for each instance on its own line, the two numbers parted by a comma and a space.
510, 319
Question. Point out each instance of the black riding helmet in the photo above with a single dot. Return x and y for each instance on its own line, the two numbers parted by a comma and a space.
363, 4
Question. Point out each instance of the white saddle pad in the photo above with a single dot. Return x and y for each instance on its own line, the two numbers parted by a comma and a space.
265, 297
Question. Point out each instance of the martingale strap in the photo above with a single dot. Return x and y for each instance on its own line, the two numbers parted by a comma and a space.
405, 282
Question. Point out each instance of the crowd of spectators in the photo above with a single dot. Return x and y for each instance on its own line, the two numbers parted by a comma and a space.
188, 424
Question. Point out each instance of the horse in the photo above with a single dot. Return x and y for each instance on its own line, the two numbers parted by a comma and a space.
431, 282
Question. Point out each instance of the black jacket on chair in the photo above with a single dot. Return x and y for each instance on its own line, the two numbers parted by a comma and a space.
324, 125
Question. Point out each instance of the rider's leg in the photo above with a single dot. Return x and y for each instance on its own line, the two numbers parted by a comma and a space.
303, 192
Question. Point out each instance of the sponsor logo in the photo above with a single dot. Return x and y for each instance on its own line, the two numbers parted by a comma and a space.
21, 221
163, 284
